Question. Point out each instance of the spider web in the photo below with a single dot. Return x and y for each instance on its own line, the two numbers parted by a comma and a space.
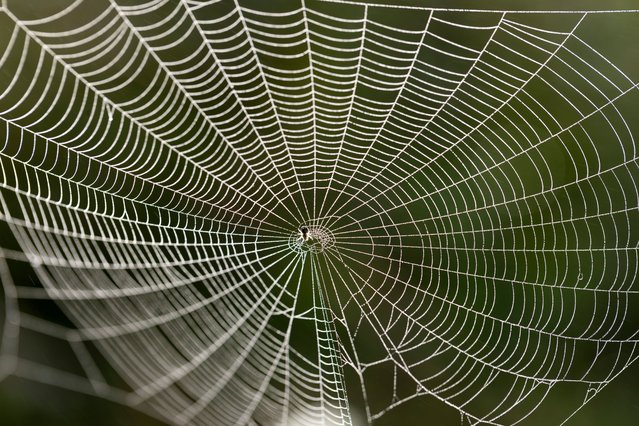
468, 179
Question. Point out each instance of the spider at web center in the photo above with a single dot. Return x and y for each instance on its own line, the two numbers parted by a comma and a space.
311, 238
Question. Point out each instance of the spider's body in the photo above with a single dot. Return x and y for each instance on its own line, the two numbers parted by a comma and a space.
305, 235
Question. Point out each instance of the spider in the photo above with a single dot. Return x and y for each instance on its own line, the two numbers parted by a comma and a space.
305, 234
